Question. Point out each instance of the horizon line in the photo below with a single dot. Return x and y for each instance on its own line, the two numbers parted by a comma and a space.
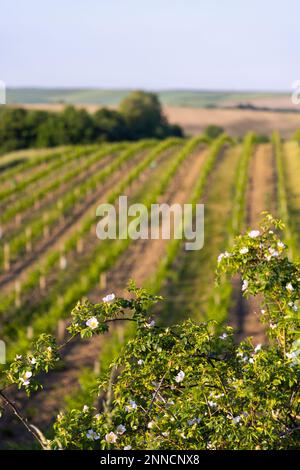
154, 89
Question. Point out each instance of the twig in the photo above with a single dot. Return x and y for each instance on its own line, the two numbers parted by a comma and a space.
290, 431
11, 405
155, 393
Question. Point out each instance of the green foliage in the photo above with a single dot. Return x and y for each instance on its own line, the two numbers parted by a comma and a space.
261, 139
13, 129
140, 117
282, 200
42, 358
212, 131
296, 136
189, 386
260, 257
143, 114
241, 184
111, 124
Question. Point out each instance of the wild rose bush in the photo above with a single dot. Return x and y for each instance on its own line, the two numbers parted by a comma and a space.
190, 386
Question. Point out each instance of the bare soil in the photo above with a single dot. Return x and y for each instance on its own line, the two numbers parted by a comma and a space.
235, 121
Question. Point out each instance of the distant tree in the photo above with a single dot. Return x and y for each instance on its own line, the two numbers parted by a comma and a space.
13, 129
51, 132
110, 125
175, 130
78, 126
212, 131
261, 139
143, 114
140, 117
33, 121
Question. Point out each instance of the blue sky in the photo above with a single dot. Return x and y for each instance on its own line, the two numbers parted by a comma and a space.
198, 44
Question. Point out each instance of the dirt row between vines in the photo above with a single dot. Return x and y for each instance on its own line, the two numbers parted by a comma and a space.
138, 262
261, 196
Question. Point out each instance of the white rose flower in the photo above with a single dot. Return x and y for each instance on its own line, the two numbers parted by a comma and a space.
111, 438
121, 429
92, 435
254, 233
180, 376
210, 446
223, 255
293, 354
273, 252
293, 306
25, 379
109, 298
132, 406
193, 421
236, 419
212, 404
223, 336
92, 323
220, 257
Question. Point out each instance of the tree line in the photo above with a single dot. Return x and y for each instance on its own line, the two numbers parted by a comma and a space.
139, 116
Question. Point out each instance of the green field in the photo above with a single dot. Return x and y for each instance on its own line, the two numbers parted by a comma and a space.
178, 98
